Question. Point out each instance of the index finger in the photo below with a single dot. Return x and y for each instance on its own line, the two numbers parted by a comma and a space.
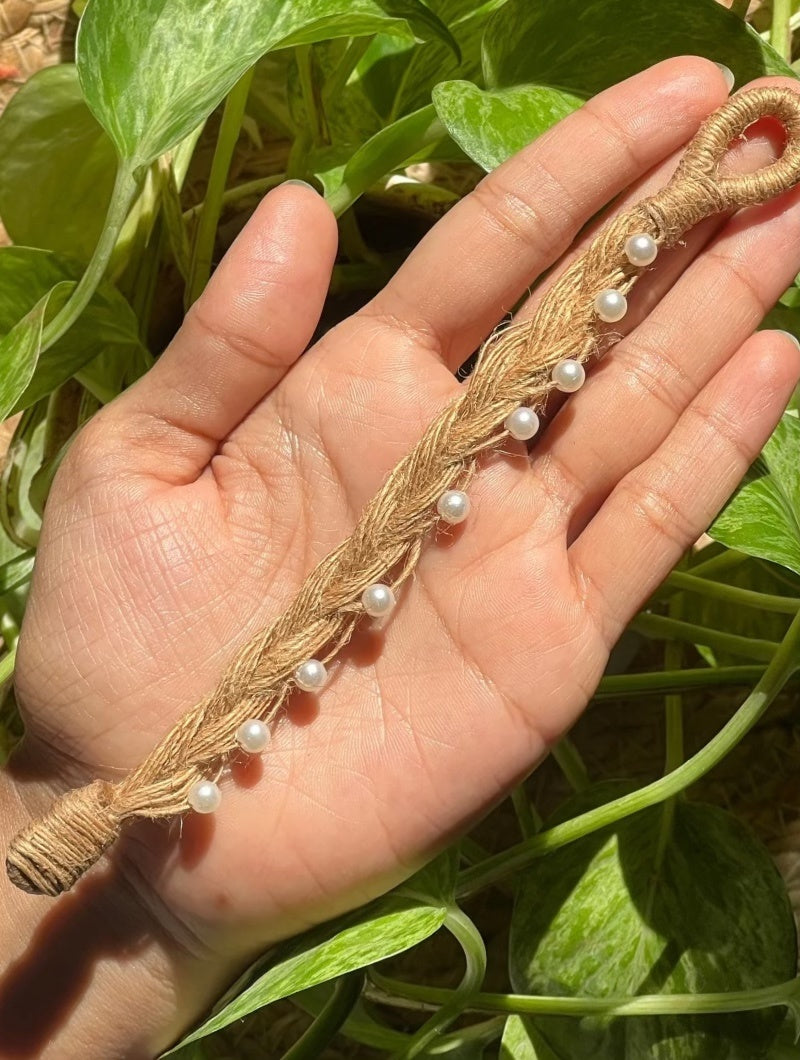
479, 259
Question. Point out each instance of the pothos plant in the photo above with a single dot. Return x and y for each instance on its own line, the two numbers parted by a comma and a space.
644, 924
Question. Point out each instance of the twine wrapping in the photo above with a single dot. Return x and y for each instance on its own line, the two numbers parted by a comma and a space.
513, 368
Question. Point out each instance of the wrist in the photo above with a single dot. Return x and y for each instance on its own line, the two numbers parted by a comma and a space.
73, 963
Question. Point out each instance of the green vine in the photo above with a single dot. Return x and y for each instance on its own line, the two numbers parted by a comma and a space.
785, 663
203, 247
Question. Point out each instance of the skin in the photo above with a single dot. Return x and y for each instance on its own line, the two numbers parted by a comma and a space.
189, 510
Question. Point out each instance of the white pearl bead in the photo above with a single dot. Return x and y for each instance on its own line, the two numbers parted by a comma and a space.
378, 600
453, 506
522, 423
311, 675
611, 305
205, 796
568, 376
641, 249
252, 736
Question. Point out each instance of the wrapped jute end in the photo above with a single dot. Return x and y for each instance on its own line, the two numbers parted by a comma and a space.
513, 368
37, 865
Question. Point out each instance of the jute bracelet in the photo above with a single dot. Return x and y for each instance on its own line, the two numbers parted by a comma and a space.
517, 368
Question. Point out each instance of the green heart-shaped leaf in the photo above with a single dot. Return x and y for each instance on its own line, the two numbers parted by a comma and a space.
153, 71
522, 1041
491, 125
20, 347
58, 166
763, 519
392, 148
398, 77
108, 323
584, 46
388, 926
687, 904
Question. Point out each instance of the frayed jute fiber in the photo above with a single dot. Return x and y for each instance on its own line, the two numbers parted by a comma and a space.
513, 368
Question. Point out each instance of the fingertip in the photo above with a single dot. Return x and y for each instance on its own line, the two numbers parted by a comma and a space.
685, 87
293, 182
773, 364
702, 81
292, 236
792, 338
300, 202
786, 355
728, 76
314, 207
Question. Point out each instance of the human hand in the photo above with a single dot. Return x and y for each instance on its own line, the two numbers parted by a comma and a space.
189, 511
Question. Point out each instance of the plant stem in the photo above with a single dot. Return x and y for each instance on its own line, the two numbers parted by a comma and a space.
727, 560
239, 191
380, 156
473, 854
679, 579
351, 241
471, 941
312, 131
644, 1005
363, 276
740, 8
358, 1027
121, 198
174, 220
661, 628
203, 249
314, 115
571, 764
674, 724
328, 1023
14, 519
529, 820
780, 34
147, 274
7, 663
662, 681
356, 48
784, 664
673, 706
9, 630
674, 753
482, 1033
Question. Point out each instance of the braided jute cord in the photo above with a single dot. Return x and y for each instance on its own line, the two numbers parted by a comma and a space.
513, 368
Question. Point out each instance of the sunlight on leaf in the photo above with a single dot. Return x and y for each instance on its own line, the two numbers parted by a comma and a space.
108, 324
651, 906
492, 125
399, 78
390, 149
58, 166
377, 932
584, 46
20, 348
153, 71
391, 925
522, 1041
763, 519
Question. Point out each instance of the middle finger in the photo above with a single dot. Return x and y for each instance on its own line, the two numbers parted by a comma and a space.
633, 398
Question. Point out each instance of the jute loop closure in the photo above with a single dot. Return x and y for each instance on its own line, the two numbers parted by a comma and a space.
702, 159
514, 367
699, 188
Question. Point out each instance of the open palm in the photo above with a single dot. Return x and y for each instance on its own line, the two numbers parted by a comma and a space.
189, 511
